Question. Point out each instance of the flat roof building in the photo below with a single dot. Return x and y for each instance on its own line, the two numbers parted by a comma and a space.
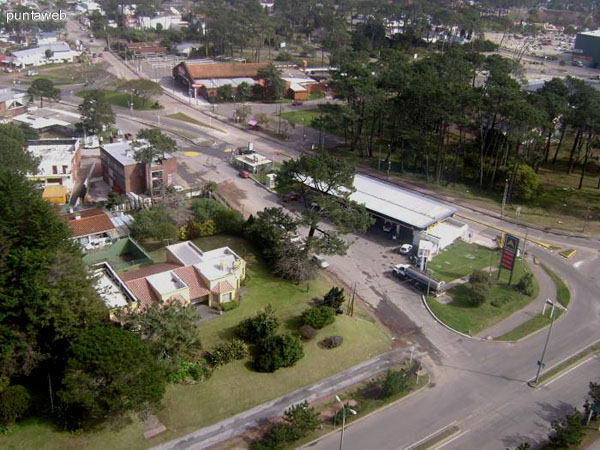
59, 161
587, 48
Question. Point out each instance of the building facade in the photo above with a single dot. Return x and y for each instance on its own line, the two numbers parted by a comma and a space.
59, 161
587, 48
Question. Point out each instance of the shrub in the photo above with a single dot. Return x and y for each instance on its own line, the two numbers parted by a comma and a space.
478, 294
499, 302
332, 342
334, 298
394, 382
318, 316
14, 402
207, 228
188, 370
479, 276
527, 184
278, 351
307, 332
229, 221
278, 435
525, 284
259, 327
227, 352
229, 305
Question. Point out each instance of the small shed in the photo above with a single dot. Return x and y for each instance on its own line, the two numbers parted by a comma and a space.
253, 163
298, 92
55, 194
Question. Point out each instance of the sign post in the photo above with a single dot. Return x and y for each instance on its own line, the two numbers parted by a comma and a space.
509, 254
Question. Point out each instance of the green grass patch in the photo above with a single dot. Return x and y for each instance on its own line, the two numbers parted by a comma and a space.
438, 438
563, 295
235, 387
573, 360
301, 116
123, 100
185, 118
461, 259
531, 326
471, 320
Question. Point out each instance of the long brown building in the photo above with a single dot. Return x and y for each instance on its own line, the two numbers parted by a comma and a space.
204, 77
124, 174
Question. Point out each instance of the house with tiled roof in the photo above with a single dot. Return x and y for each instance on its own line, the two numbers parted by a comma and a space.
92, 228
190, 276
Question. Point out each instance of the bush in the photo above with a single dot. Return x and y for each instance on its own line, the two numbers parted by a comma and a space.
332, 342
525, 284
227, 352
189, 370
334, 298
278, 351
229, 306
259, 327
499, 302
394, 382
14, 402
527, 183
284, 56
318, 316
479, 276
155, 222
229, 221
307, 332
278, 435
478, 294
207, 228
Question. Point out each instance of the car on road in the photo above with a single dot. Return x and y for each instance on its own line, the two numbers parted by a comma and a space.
405, 249
244, 174
388, 227
321, 262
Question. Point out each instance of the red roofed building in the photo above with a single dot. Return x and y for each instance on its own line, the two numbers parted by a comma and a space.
92, 228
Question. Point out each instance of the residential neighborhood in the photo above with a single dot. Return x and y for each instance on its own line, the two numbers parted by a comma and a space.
271, 225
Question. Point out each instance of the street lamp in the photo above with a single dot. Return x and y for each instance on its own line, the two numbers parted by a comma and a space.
540, 363
351, 411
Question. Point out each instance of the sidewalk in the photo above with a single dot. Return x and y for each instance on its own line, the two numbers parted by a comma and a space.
547, 290
228, 428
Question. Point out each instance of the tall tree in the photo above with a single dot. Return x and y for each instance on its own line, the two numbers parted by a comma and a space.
96, 112
13, 156
273, 86
44, 87
151, 145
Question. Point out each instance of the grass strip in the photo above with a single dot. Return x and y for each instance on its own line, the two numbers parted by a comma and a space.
567, 364
185, 118
563, 295
568, 253
531, 326
437, 438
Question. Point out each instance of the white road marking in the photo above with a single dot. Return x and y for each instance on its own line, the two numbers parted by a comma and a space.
570, 370
429, 436
443, 444
578, 263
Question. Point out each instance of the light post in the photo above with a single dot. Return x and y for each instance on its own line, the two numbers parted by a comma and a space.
351, 411
540, 363
504, 198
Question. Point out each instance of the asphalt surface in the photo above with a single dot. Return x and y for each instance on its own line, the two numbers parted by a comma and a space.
480, 386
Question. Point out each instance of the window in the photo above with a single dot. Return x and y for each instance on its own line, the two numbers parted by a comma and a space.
226, 297
54, 170
65, 169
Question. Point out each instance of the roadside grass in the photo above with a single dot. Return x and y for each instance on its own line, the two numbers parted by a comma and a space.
301, 116
461, 259
563, 296
185, 118
459, 315
122, 99
236, 387
438, 438
573, 360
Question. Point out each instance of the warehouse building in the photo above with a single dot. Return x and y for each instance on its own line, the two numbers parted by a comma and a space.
587, 48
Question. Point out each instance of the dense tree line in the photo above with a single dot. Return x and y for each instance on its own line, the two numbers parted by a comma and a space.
461, 116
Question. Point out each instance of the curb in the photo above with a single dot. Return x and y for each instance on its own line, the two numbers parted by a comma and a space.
360, 419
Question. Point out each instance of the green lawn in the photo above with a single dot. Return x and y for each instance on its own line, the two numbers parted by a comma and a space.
301, 117
123, 98
235, 387
563, 294
461, 259
471, 320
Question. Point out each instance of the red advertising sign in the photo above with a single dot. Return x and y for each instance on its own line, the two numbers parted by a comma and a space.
509, 253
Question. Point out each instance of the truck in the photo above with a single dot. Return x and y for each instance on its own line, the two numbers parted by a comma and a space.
426, 281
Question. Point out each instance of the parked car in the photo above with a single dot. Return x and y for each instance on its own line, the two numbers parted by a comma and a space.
388, 227
321, 262
291, 197
7, 70
244, 174
297, 103
405, 249
245, 151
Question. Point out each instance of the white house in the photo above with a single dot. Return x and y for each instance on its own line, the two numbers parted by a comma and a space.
47, 38
59, 52
59, 161
146, 22
89, 7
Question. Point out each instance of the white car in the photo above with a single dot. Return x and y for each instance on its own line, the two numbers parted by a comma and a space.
405, 249
321, 262
388, 227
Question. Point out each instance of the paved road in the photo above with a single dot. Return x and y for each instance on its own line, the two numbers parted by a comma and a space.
474, 377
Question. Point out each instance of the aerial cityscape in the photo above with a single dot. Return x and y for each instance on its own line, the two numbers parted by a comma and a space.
300, 224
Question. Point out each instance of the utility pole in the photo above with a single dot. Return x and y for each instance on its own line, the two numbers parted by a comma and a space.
504, 198
351, 411
540, 363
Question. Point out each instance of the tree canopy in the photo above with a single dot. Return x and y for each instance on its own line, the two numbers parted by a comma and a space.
44, 88
96, 112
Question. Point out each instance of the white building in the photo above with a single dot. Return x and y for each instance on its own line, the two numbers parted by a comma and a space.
89, 7
146, 22
47, 38
441, 235
58, 161
60, 52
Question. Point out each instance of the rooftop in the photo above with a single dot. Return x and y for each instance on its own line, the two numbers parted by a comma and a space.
88, 222
595, 33
124, 152
109, 291
253, 160
204, 70
213, 264
54, 47
9, 94
218, 82
54, 151
166, 282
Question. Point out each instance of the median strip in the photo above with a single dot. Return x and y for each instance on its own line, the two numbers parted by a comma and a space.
437, 438
567, 364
